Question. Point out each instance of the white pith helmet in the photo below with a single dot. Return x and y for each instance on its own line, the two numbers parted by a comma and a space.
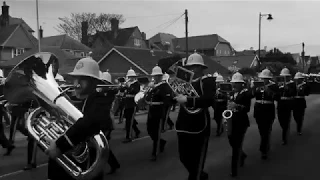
266, 73
298, 75
106, 76
131, 73
165, 77
156, 71
237, 77
219, 78
285, 72
195, 59
86, 67
216, 74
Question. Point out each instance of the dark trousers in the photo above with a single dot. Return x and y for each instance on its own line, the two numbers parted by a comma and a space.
129, 115
236, 137
154, 131
298, 115
284, 117
265, 128
31, 154
168, 120
112, 161
4, 142
218, 118
193, 152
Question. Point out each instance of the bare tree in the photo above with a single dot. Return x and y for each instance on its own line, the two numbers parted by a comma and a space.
72, 25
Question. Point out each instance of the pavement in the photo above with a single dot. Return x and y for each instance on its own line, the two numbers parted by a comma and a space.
298, 160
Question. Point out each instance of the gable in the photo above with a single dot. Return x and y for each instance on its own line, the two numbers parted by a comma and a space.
20, 39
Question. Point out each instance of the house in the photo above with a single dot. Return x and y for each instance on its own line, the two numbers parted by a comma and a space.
67, 61
7, 20
66, 43
120, 59
162, 41
14, 41
210, 45
263, 52
127, 37
234, 63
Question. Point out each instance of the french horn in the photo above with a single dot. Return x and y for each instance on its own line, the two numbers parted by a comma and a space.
33, 79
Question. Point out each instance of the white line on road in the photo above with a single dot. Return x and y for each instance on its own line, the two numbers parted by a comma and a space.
43, 165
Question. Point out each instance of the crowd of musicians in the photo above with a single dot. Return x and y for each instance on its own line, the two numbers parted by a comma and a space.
193, 124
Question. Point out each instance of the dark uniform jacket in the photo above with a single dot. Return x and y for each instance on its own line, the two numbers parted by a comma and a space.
286, 94
96, 117
240, 119
220, 103
303, 90
200, 122
131, 91
158, 98
265, 97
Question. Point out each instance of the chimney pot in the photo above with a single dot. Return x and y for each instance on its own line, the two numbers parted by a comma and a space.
84, 32
143, 34
5, 14
41, 32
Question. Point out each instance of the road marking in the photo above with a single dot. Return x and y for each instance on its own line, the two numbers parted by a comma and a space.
20, 171
43, 165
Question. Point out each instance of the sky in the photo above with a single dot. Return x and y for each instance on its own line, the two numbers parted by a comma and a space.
236, 21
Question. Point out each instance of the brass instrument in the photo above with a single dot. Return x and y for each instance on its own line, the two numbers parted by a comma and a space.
140, 96
181, 84
32, 79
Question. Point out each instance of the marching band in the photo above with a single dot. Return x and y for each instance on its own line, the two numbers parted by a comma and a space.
193, 90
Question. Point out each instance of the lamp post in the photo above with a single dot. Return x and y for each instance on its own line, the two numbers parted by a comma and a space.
38, 28
260, 17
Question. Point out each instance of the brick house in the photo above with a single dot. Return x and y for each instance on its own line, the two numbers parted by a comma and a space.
234, 63
210, 45
120, 59
15, 36
162, 41
127, 37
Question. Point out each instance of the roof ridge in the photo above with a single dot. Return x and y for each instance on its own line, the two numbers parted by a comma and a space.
15, 29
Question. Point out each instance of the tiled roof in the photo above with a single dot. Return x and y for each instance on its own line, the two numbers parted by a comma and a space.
198, 42
146, 60
15, 21
64, 42
6, 32
121, 39
238, 61
161, 38
65, 59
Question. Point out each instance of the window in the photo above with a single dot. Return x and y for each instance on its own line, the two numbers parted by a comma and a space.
83, 54
137, 42
17, 52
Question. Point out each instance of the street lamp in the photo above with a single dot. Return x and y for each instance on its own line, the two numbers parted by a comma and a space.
269, 18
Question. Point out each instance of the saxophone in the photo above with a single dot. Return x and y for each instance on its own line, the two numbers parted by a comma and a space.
32, 79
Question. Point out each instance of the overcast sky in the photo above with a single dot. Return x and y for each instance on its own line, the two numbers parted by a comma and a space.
236, 21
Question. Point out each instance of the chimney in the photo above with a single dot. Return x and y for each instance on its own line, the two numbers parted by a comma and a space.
41, 32
114, 26
84, 32
5, 14
144, 37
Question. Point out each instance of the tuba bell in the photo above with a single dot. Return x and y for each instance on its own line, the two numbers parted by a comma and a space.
33, 79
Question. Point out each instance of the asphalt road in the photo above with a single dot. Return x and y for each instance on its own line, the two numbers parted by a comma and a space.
296, 161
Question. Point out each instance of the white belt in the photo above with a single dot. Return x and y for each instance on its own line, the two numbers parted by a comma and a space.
264, 102
286, 98
299, 97
155, 103
220, 100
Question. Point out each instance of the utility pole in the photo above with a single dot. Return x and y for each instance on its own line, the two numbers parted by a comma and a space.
186, 23
302, 54
38, 28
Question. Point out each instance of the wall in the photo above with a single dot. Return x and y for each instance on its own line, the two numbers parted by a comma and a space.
137, 35
223, 50
6, 54
115, 63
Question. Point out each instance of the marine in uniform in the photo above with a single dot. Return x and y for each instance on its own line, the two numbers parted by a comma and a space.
132, 88
220, 104
193, 135
287, 91
264, 109
120, 100
237, 125
94, 105
110, 94
168, 106
157, 97
300, 104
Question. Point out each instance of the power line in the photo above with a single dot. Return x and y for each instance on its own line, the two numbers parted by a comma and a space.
171, 23
168, 22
